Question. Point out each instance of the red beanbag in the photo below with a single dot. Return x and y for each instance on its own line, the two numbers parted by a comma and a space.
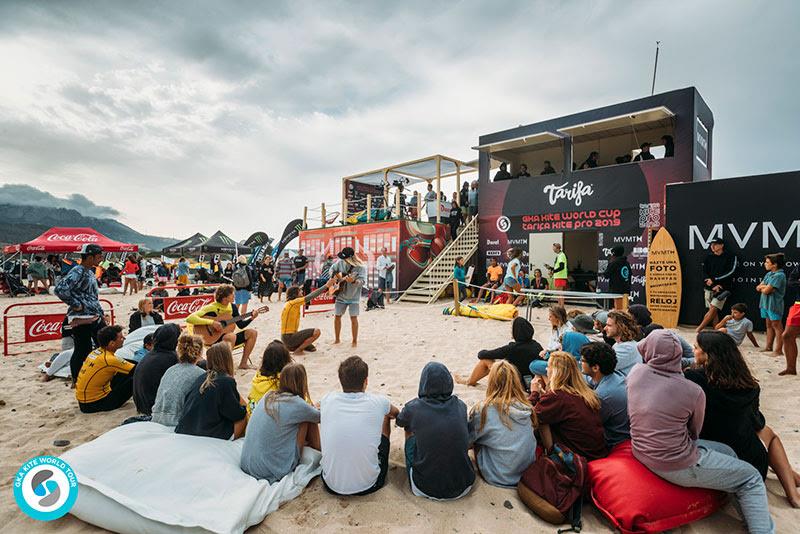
636, 500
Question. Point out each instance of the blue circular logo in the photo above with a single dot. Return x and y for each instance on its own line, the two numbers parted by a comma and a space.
45, 488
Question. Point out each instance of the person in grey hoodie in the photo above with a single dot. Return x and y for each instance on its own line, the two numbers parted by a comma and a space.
666, 414
177, 381
437, 438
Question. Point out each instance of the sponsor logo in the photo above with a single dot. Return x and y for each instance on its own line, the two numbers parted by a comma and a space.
180, 307
575, 194
503, 223
45, 488
80, 238
742, 236
43, 327
492, 253
492, 242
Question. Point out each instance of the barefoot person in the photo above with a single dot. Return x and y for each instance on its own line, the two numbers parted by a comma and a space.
718, 269
350, 271
772, 289
223, 305
297, 340
790, 339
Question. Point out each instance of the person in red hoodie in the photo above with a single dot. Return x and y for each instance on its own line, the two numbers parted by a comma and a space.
666, 413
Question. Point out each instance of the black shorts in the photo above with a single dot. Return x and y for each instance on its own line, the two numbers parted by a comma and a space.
239, 339
295, 339
383, 462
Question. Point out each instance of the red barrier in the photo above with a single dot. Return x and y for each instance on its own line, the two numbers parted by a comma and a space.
183, 307
322, 300
39, 327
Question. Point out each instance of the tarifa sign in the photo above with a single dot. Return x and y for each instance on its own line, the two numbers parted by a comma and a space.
663, 280
565, 192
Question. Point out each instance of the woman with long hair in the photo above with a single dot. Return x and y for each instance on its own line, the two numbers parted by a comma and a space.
511, 281
281, 425
504, 423
213, 406
130, 274
276, 356
732, 413
567, 409
559, 325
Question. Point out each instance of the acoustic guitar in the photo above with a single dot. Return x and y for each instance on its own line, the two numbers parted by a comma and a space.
228, 322
339, 283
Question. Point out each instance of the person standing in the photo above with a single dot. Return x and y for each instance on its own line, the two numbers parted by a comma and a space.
182, 272
351, 274
325, 271
463, 200
718, 269
455, 219
242, 278
619, 276
669, 146
773, 289
385, 267
284, 272
473, 200
300, 262
431, 204
460, 275
266, 274
37, 273
503, 173
130, 274
78, 289
559, 271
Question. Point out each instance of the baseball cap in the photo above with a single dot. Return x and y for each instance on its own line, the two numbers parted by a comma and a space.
717, 241
90, 249
583, 324
601, 316
347, 252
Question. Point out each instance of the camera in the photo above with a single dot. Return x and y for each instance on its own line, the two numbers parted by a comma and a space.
397, 182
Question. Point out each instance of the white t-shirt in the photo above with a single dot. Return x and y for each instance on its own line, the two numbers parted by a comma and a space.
350, 432
384, 262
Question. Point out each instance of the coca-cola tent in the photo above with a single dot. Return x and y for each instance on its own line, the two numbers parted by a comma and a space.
219, 243
65, 240
187, 244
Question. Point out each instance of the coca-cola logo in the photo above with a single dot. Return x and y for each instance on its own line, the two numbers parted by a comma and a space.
180, 307
43, 327
79, 238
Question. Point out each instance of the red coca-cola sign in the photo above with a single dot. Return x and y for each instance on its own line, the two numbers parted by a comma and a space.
80, 238
43, 327
182, 307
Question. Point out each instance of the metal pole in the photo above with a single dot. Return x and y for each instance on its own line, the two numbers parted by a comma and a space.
655, 68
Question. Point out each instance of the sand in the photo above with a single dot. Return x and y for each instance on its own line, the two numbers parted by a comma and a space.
396, 343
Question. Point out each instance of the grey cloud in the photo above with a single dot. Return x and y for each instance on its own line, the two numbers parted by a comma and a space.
27, 195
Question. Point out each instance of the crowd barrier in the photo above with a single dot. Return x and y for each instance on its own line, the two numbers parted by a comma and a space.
182, 307
39, 327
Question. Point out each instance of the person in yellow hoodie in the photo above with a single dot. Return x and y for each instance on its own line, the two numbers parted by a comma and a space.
276, 357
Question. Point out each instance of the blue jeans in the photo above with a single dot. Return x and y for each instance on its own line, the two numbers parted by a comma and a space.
718, 468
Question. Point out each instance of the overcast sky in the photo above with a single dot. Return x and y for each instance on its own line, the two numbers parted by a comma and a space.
197, 116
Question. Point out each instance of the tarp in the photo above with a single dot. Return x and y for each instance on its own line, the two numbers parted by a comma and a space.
219, 243
63, 240
181, 246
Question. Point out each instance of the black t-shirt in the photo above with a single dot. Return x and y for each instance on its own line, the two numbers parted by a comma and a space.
213, 412
733, 417
643, 156
520, 355
300, 262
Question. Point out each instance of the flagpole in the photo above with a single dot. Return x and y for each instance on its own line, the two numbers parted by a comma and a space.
655, 68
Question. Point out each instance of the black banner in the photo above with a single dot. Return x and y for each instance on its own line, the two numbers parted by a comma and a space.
747, 214
292, 231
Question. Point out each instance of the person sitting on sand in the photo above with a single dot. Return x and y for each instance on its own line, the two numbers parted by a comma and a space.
737, 325
280, 426
104, 381
621, 327
213, 407
732, 414
148, 373
147, 346
567, 410
296, 340
598, 362
144, 316
558, 326
571, 343
520, 353
667, 413
178, 380
437, 438
503, 425
354, 433
276, 356
223, 305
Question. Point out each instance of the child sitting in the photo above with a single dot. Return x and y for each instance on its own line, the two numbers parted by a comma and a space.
503, 424
437, 438
281, 425
355, 433
276, 357
213, 407
147, 346
737, 325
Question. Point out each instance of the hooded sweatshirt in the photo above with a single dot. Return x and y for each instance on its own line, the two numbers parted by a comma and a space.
572, 343
733, 417
619, 275
440, 468
640, 314
520, 352
147, 376
505, 451
666, 411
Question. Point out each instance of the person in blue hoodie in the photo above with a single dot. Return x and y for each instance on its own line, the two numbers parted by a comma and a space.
437, 438
571, 342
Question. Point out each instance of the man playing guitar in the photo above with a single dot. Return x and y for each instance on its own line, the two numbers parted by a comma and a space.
348, 275
223, 307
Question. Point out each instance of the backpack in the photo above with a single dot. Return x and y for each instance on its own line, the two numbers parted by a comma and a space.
240, 277
552, 487
374, 300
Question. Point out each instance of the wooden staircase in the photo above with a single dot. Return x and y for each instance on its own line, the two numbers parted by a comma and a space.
432, 282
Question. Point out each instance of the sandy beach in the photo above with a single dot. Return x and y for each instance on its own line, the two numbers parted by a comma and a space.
396, 343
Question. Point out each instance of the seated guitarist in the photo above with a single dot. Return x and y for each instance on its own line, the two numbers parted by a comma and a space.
223, 305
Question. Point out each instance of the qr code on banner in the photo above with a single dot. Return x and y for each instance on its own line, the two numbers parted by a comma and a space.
650, 215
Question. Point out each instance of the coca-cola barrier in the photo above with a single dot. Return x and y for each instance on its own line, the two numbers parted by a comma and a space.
183, 307
39, 327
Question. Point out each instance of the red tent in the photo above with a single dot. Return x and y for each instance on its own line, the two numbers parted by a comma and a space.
64, 240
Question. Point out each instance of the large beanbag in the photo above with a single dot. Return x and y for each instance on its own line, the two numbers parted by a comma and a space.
501, 312
145, 478
636, 500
